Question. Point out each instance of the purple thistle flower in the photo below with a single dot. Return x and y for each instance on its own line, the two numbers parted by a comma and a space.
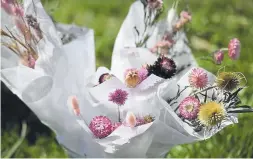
119, 96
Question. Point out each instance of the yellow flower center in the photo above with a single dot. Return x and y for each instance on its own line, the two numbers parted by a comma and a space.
189, 108
211, 113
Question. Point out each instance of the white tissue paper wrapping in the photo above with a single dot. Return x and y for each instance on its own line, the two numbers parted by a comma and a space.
60, 71
172, 130
127, 55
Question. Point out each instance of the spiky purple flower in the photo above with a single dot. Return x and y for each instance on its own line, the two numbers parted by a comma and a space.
118, 97
189, 108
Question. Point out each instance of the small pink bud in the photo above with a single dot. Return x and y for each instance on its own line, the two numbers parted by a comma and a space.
218, 57
73, 102
234, 48
130, 119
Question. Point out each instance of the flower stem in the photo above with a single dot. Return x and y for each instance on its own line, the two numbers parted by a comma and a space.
224, 49
118, 113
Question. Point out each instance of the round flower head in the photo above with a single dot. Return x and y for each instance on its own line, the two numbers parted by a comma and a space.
228, 80
143, 74
211, 113
189, 108
234, 48
132, 77
130, 119
101, 126
218, 57
119, 96
116, 125
198, 78
155, 4
104, 77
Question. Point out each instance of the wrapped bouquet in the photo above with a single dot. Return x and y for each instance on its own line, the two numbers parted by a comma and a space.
153, 98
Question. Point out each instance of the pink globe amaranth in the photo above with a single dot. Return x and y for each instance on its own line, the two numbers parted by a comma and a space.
189, 108
143, 74
116, 125
234, 48
198, 78
218, 57
101, 126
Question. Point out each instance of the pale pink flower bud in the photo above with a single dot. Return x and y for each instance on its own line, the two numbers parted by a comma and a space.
234, 48
218, 57
31, 61
131, 119
73, 103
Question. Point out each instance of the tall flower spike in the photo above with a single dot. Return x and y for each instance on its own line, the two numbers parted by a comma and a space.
234, 48
198, 78
189, 108
211, 114
118, 97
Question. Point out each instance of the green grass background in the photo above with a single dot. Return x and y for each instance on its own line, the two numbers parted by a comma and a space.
214, 23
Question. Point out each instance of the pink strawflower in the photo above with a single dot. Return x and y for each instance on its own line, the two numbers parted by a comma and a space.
155, 4
7, 5
116, 125
119, 96
189, 108
218, 57
198, 78
234, 48
101, 126
143, 74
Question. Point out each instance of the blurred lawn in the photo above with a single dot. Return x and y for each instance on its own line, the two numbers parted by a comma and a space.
214, 23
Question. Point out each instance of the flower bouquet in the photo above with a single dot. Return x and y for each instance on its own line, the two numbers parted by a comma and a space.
142, 38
